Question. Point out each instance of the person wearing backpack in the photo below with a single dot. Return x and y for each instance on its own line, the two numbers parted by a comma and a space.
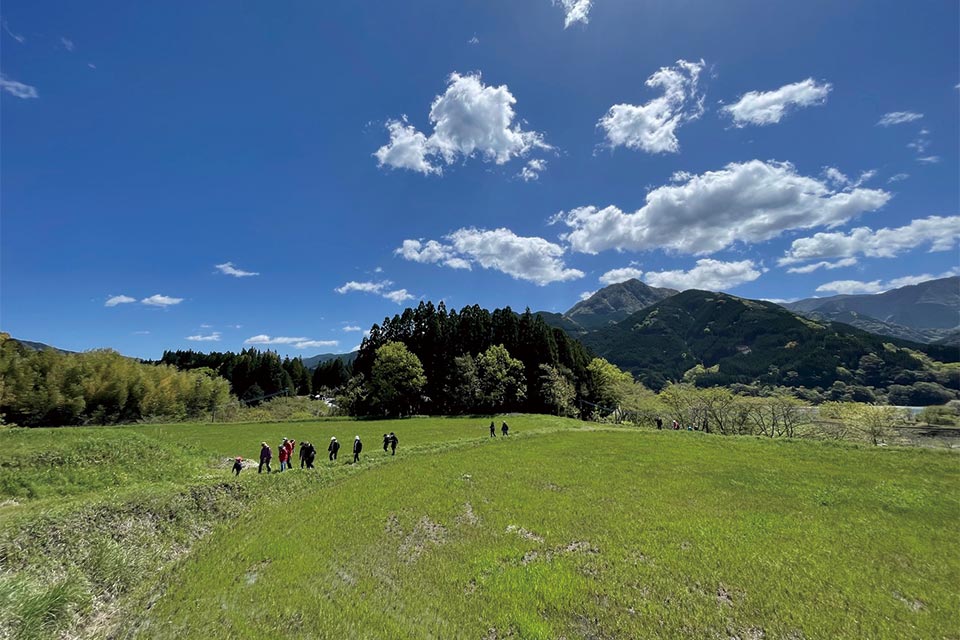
505, 430
493, 430
386, 442
357, 448
393, 443
333, 448
265, 456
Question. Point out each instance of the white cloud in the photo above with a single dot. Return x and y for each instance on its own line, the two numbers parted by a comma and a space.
531, 171
473, 40
380, 288
206, 326
351, 327
17, 89
67, 44
399, 296
850, 287
365, 287
841, 181
620, 275
713, 275
745, 202
157, 300
769, 107
458, 263
898, 117
91, 65
898, 177
575, 11
810, 268
16, 36
652, 127
941, 233
113, 301
929, 159
228, 268
587, 294
213, 337
469, 119
427, 253
921, 143
141, 333
296, 343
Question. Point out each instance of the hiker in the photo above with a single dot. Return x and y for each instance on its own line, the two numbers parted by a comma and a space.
304, 450
493, 430
333, 448
265, 455
291, 447
505, 430
311, 455
386, 442
357, 448
659, 422
393, 443
237, 466
284, 455
675, 425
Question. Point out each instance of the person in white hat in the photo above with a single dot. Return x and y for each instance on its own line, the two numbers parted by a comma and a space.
333, 448
357, 448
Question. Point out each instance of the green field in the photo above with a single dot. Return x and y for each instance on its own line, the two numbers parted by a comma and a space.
564, 530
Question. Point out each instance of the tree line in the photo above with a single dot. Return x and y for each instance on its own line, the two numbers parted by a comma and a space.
53, 388
431, 360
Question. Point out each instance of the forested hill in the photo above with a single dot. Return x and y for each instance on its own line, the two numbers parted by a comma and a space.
615, 303
742, 341
926, 312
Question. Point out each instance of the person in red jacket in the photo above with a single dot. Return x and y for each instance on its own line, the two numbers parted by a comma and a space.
284, 455
291, 447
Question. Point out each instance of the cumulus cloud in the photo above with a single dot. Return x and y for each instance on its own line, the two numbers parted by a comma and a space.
525, 258
850, 287
469, 119
586, 295
350, 328
17, 89
769, 107
575, 11
228, 268
113, 301
940, 232
531, 171
399, 296
652, 127
296, 343
745, 202
213, 337
157, 300
898, 117
713, 275
380, 288
810, 268
365, 287
620, 275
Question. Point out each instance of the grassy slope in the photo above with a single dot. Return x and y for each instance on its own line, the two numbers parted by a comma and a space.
643, 535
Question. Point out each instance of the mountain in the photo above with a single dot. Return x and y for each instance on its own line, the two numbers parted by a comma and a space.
607, 306
39, 346
314, 361
749, 340
924, 312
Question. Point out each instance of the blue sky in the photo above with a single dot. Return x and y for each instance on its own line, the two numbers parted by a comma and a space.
489, 151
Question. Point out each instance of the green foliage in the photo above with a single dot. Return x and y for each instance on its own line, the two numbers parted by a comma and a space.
557, 390
396, 380
49, 387
252, 374
501, 378
442, 339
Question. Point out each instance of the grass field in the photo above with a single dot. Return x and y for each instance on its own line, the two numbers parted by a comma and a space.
560, 531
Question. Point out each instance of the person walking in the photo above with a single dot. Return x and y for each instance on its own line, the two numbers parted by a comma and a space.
265, 455
284, 455
333, 448
311, 455
393, 443
237, 466
659, 422
493, 430
386, 442
357, 448
505, 430
304, 448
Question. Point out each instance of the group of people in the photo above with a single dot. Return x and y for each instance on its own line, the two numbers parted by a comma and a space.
504, 430
676, 425
308, 453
